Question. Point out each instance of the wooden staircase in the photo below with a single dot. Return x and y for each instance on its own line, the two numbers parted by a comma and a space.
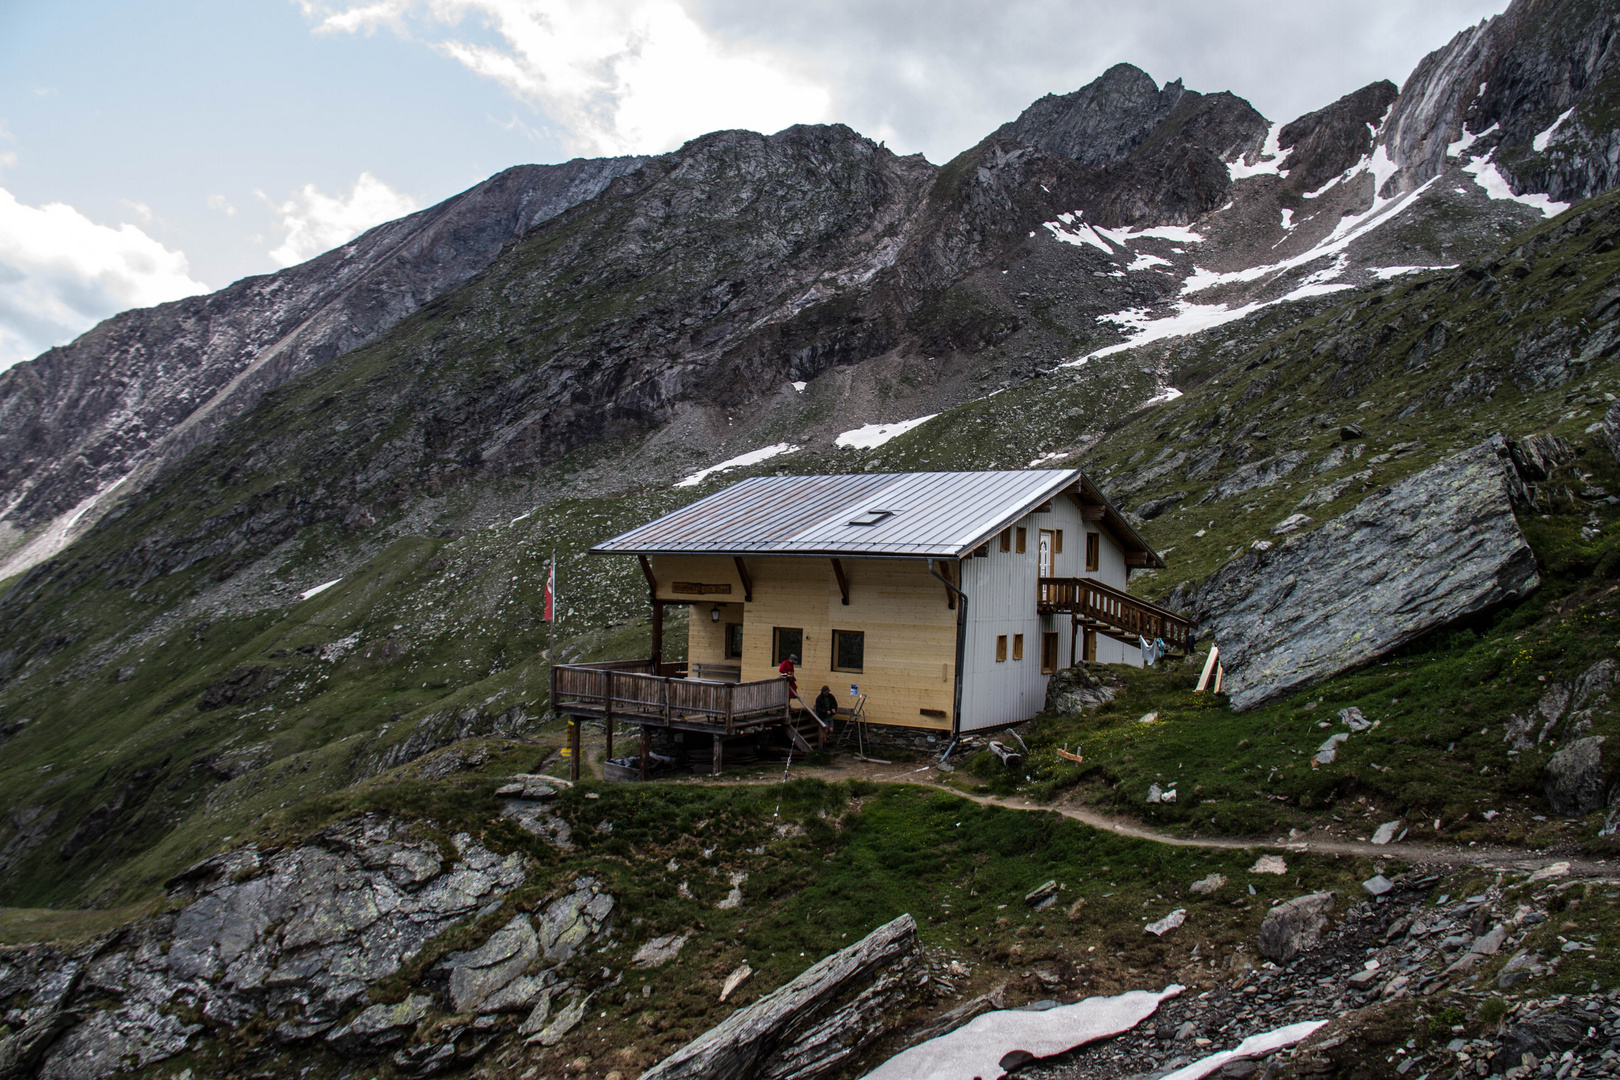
1109, 611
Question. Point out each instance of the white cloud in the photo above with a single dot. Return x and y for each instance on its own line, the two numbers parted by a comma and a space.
317, 222
222, 204
615, 76
142, 211
61, 273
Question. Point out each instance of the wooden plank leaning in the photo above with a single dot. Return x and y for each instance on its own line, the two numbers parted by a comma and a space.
1209, 668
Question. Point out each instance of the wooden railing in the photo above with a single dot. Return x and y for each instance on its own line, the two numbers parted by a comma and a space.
628, 690
1112, 609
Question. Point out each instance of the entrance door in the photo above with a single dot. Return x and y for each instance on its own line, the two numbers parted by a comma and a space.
1089, 654
1046, 553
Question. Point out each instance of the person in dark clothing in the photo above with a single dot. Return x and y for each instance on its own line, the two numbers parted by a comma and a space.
826, 704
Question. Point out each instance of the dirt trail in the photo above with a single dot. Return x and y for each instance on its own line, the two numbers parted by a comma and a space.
1417, 854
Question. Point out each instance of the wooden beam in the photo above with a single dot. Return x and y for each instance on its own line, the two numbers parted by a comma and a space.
657, 634
608, 726
1092, 512
843, 582
1137, 558
747, 582
718, 757
646, 570
573, 748
646, 751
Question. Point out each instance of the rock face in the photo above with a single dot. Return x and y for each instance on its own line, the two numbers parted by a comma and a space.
292, 942
143, 387
814, 1024
1075, 689
1294, 926
1440, 544
1575, 783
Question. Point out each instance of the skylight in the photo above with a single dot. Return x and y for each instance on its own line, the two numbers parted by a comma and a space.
871, 517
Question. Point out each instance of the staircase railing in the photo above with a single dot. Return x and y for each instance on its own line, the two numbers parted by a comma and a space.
1095, 602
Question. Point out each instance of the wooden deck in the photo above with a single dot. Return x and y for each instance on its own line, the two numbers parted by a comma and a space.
1109, 610
633, 692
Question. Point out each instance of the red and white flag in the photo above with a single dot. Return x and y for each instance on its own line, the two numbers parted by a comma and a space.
551, 590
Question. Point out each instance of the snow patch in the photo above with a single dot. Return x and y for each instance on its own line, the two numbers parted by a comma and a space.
1253, 1046
1037, 462
875, 435
1543, 140
1460, 147
1287, 220
1070, 229
1267, 163
799, 386
753, 457
1144, 261
317, 590
1168, 394
1384, 273
1490, 178
979, 1047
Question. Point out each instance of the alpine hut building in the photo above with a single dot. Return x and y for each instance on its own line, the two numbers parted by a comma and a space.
942, 601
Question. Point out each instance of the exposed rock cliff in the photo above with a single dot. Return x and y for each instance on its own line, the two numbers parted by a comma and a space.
144, 387
1439, 545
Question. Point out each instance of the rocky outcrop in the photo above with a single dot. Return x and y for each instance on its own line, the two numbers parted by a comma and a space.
1076, 689
1327, 142
145, 386
816, 1023
1441, 544
1294, 926
1575, 782
1156, 156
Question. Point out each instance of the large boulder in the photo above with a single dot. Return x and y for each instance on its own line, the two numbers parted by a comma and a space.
1574, 780
1074, 689
816, 1024
1294, 926
1437, 546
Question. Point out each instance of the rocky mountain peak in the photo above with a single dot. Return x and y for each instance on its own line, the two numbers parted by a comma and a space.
1324, 143
1100, 123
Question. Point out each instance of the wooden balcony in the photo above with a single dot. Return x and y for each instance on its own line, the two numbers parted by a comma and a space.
631, 691
1110, 611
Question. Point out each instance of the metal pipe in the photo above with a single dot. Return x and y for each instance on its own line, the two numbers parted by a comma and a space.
961, 646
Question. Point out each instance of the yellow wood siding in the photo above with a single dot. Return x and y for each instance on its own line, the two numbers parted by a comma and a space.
910, 648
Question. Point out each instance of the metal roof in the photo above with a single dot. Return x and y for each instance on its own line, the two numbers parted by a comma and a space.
924, 514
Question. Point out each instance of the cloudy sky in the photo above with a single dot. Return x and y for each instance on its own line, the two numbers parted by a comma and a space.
150, 149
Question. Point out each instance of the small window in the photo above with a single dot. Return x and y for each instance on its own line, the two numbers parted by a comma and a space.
1049, 652
1006, 539
1093, 551
786, 642
1057, 542
871, 517
848, 650
1023, 539
734, 640
982, 551
1018, 646
1001, 648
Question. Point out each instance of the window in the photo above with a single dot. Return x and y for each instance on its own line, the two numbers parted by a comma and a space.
786, 642
734, 640
1006, 539
1018, 646
1049, 652
848, 650
872, 517
982, 551
1023, 536
1057, 542
1093, 551
1001, 648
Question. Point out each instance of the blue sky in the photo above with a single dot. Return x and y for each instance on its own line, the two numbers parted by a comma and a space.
153, 149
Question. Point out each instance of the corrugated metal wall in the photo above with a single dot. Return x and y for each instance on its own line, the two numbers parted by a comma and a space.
1001, 593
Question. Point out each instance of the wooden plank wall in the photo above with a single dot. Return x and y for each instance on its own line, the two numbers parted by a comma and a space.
910, 662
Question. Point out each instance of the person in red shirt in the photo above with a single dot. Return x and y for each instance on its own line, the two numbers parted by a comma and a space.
785, 669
